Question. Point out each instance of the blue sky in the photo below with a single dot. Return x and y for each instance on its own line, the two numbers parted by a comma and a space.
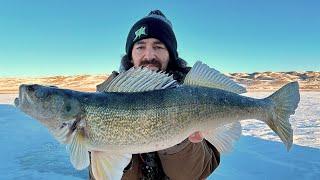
43, 38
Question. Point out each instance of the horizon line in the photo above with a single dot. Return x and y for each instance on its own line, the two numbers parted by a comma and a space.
107, 74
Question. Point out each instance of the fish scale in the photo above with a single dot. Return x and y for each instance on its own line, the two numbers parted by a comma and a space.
116, 123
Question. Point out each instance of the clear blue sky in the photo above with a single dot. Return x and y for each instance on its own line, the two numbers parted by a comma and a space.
66, 37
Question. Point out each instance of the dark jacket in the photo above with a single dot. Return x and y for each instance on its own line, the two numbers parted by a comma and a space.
184, 161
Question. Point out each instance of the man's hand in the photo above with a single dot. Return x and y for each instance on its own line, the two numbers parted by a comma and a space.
197, 136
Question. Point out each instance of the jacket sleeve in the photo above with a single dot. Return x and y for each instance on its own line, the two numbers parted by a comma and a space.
189, 160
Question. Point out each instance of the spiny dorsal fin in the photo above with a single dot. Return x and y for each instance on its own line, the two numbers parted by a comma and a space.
139, 80
202, 75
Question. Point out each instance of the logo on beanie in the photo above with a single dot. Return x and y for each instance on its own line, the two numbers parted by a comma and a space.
141, 31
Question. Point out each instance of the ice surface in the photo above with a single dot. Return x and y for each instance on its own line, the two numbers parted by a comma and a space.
305, 122
28, 151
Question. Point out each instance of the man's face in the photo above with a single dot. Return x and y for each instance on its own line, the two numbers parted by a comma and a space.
150, 53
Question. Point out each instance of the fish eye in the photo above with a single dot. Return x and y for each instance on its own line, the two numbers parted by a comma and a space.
30, 88
41, 93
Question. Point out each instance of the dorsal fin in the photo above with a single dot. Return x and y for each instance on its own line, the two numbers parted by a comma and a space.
139, 80
202, 75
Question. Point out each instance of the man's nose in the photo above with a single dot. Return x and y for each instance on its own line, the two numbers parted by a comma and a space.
149, 54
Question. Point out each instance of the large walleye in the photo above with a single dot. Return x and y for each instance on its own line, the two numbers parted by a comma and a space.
142, 111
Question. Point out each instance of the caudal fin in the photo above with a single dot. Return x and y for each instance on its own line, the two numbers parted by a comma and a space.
285, 102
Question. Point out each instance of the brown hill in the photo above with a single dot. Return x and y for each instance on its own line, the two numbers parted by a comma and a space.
266, 81
258, 81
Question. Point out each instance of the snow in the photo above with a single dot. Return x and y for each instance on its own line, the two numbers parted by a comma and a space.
28, 151
305, 122
7, 98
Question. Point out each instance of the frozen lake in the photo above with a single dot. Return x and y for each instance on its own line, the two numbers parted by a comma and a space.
28, 151
305, 122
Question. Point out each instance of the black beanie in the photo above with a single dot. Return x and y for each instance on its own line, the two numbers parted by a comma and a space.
155, 25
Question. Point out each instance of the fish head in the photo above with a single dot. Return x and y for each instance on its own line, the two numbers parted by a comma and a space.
48, 104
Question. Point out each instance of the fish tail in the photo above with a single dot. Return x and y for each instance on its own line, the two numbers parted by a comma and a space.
285, 101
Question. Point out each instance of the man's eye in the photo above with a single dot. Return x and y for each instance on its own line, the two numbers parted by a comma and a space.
139, 47
159, 47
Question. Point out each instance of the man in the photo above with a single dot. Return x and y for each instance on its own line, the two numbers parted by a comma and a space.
151, 43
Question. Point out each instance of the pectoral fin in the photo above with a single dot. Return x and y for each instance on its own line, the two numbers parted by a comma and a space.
79, 155
108, 166
64, 134
223, 137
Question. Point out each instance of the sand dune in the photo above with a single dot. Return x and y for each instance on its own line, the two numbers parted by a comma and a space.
258, 81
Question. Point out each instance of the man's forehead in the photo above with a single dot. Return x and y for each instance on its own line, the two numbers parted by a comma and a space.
149, 40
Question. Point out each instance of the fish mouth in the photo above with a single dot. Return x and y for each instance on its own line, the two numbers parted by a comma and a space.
23, 97
16, 102
29, 103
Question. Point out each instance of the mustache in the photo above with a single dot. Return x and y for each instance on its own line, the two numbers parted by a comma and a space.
154, 62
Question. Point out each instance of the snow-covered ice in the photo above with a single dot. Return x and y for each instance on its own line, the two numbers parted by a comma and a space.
7, 98
305, 122
28, 151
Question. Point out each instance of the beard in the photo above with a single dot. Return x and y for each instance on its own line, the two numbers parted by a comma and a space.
152, 62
